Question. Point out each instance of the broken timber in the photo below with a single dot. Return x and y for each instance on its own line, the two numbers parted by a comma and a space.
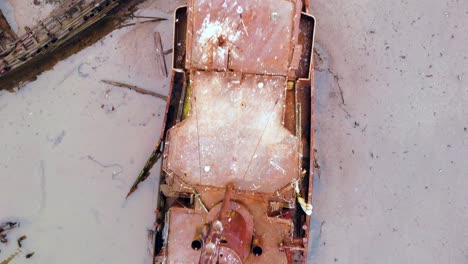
135, 88
160, 54
5, 28
65, 22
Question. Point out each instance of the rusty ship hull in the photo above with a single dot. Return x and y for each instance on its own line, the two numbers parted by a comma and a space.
238, 136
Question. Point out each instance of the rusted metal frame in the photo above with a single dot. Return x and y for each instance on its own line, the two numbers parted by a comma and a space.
174, 103
236, 221
170, 118
216, 229
301, 248
273, 190
310, 79
179, 44
286, 186
189, 38
160, 239
311, 173
306, 6
304, 83
263, 197
311, 65
297, 116
226, 202
295, 41
194, 189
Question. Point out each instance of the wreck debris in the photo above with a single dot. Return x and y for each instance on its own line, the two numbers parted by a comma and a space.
69, 19
5, 30
10, 258
160, 54
5, 228
135, 88
20, 240
169, 51
153, 19
150, 243
145, 172
78, 17
238, 135
306, 207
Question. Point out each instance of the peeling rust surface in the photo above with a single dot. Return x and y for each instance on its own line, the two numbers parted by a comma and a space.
237, 158
256, 36
234, 129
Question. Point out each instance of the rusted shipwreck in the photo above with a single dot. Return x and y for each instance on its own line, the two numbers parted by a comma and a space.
237, 141
64, 23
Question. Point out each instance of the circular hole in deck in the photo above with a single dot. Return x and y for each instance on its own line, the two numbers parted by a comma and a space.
196, 245
257, 251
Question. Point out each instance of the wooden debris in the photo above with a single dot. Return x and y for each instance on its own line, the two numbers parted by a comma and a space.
142, 22
154, 157
131, 16
135, 88
66, 21
5, 228
169, 51
10, 258
5, 27
160, 54
20, 240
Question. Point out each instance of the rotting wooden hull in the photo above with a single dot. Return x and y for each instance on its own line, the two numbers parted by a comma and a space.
67, 21
238, 136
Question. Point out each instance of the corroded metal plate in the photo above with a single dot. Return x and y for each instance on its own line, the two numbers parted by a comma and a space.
255, 36
234, 133
237, 153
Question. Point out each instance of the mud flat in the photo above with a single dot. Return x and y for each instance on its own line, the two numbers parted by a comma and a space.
392, 134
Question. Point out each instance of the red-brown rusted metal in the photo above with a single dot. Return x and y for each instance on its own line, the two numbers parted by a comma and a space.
238, 146
230, 232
